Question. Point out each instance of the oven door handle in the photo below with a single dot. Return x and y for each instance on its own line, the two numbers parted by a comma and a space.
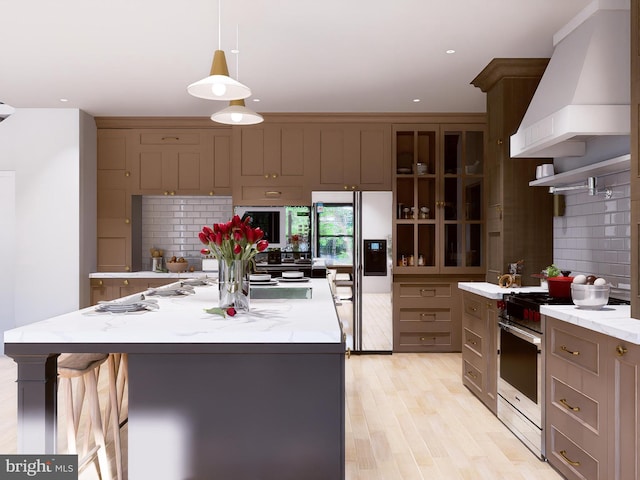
526, 336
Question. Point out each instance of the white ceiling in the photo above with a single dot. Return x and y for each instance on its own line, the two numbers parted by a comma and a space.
136, 57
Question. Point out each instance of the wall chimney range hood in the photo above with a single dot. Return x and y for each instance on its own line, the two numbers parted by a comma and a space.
585, 90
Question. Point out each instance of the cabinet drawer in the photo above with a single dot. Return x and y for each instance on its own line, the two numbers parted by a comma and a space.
577, 405
472, 340
424, 315
571, 460
425, 290
416, 339
472, 375
580, 351
170, 138
472, 307
279, 193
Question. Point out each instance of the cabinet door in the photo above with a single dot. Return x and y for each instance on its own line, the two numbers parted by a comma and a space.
113, 202
354, 157
215, 175
172, 162
623, 415
272, 165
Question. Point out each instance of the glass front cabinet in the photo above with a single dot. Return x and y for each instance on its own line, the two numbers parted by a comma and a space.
438, 198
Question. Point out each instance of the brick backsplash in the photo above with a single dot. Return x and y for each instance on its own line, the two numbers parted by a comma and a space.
594, 235
172, 224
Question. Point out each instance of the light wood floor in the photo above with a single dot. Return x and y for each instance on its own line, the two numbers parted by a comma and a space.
377, 323
408, 416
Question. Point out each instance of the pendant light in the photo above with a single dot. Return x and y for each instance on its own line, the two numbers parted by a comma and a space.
219, 85
237, 113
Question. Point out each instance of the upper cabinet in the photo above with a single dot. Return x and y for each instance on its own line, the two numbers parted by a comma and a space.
271, 164
352, 157
519, 217
438, 198
181, 162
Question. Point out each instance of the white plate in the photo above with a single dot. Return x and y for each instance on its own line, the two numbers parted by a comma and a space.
292, 274
263, 284
259, 277
292, 280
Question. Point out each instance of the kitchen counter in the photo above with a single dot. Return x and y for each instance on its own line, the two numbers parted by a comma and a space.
230, 397
150, 274
612, 320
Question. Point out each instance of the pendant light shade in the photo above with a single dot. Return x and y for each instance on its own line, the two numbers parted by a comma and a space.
219, 85
237, 114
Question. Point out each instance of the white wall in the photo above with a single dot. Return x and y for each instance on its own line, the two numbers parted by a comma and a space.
53, 155
7, 244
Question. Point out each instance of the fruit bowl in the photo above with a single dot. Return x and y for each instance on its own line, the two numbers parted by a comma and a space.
590, 297
177, 267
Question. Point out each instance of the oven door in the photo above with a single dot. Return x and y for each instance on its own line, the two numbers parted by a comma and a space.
520, 371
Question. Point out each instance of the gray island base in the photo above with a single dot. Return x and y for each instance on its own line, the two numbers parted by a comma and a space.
270, 409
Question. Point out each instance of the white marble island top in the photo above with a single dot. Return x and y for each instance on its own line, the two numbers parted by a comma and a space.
182, 320
612, 320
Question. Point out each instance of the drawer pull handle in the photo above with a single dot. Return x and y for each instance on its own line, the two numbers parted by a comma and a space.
422, 339
570, 462
430, 316
272, 193
471, 374
430, 291
472, 342
564, 402
620, 350
565, 349
171, 138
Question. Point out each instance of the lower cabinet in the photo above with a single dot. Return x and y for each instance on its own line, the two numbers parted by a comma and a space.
105, 289
479, 347
427, 313
592, 390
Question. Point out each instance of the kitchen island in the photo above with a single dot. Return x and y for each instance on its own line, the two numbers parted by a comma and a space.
258, 395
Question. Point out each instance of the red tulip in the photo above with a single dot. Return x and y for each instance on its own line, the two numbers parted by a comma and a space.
238, 235
236, 222
203, 238
218, 239
237, 249
258, 233
205, 251
206, 230
262, 245
231, 311
251, 235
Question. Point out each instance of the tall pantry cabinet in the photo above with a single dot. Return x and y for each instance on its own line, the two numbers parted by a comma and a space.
438, 229
519, 217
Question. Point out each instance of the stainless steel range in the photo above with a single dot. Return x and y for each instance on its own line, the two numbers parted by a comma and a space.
521, 369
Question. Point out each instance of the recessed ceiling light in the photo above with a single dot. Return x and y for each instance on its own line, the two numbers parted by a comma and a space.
256, 99
235, 50
64, 100
450, 51
416, 100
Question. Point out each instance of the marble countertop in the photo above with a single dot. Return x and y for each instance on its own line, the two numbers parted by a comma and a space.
183, 320
612, 320
150, 274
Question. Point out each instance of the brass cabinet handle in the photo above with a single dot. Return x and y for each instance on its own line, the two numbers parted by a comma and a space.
500, 141
211, 193
471, 374
565, 349
427, 290
127, 174
564, 402
266, 175
127, 221
620, 350
274, 175
570, 462
100, 283
348, 353
422, 339
171, 138
272, 193
125, 282
472, 342
127, 268
169, 192
431, 316
165, 193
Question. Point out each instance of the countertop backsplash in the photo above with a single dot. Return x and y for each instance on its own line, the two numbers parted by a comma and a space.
172, 224
594, 235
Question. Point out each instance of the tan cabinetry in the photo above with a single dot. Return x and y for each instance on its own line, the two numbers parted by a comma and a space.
181, 162
271, 165
105, 289
114, 217
427, 312
352, 157
515, 230
591, 403
438, 199
479, 357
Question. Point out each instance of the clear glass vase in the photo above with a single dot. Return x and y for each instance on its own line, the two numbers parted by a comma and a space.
234, 285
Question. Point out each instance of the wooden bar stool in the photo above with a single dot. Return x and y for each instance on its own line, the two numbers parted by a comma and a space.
116, 411
79, 372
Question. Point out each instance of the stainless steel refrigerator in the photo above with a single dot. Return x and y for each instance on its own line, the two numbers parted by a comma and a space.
353, 229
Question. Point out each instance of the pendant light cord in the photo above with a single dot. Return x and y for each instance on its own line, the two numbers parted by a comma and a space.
219, 25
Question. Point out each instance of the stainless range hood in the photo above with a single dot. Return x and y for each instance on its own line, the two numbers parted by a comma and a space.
585, 90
